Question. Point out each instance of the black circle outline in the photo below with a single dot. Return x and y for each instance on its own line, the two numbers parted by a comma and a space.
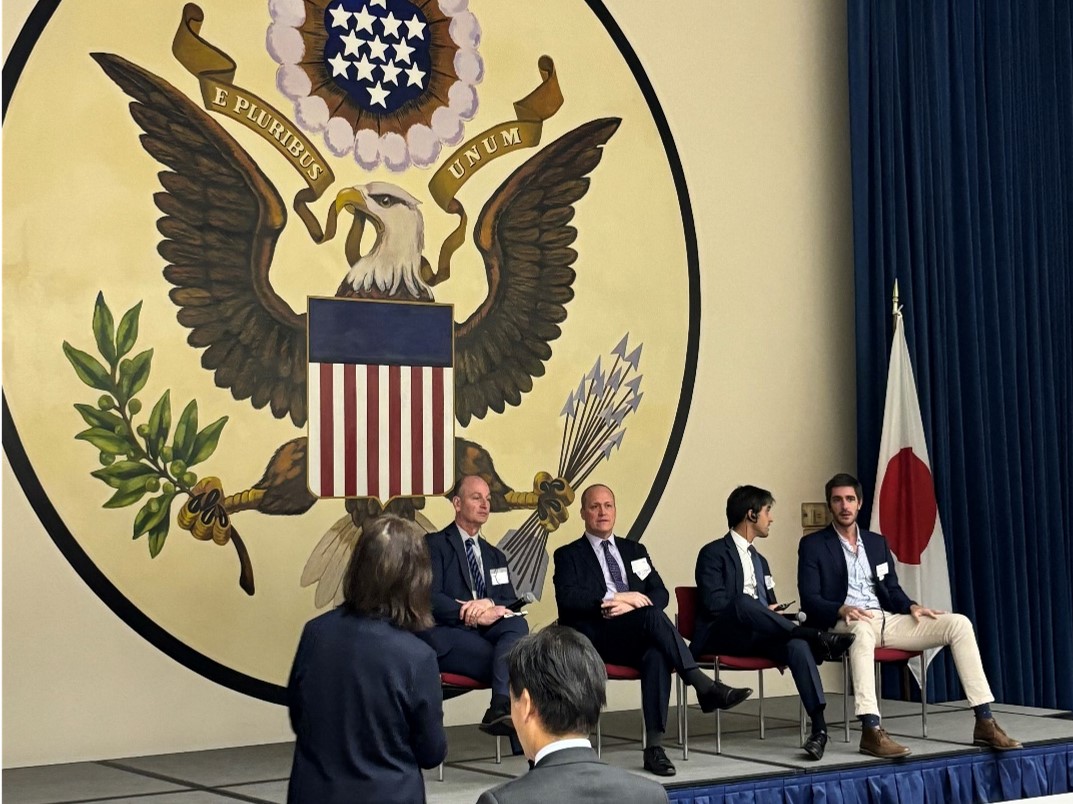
155, 634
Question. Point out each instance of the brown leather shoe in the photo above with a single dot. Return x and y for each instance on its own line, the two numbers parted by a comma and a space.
990, 733
877, 743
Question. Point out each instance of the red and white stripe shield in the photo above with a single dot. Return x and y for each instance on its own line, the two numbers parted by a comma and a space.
381, 398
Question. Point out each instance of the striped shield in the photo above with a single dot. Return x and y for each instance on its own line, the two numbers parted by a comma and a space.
381, 398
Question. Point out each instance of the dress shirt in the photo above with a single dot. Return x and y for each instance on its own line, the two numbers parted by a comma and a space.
476, 548
559, 745
860, 592
597, 545
747, 567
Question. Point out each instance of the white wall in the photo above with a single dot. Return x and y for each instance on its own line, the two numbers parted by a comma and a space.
756, 95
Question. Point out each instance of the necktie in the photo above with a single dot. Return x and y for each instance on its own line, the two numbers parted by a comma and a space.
475, 569
758, 569
613, 570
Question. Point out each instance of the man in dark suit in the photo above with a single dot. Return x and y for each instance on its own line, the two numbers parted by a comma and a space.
557, 689
607, 588
471, 592
847, 580
736, 612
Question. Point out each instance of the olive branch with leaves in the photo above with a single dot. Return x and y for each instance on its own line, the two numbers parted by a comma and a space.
137, 459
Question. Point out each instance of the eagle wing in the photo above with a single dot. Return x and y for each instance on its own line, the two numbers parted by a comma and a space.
222, 217
524, 234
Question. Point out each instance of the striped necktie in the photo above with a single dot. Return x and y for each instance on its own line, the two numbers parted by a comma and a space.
475, 569
613, 570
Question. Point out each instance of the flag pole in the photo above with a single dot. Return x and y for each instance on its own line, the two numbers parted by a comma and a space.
896, 310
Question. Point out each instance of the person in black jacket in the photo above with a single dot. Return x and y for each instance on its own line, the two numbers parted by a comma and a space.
364, 693
736, 609
608, 589
471, 590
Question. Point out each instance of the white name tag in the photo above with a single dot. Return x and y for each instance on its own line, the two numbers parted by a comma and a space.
769, 582
499, 576
882, 570
641, 568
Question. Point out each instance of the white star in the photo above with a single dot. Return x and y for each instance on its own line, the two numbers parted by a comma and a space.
391, 25
381, 3
414, 76
403, 51
377, 48
351, 43
364, 20
339, 17
364, 68
415, 28
377, 94
391, 73
339, 65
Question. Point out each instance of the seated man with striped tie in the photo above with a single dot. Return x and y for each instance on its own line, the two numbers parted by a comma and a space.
471, 590
607, 588
736, 609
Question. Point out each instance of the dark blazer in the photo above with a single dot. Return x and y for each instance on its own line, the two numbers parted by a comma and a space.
823, 581
576, 774
366, 707
720, 583
580, 586
451, 579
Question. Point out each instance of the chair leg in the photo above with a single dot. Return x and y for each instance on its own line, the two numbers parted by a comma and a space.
599, 737
923, 694
845, 699
801, 710
678, 694
879, 689
441, 771
499, 752
760, 686
685, 720
718, 718
644, 733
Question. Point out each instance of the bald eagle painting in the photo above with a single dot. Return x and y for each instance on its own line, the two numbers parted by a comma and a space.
221, 221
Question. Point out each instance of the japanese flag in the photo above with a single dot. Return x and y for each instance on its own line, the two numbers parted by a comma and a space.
905, 510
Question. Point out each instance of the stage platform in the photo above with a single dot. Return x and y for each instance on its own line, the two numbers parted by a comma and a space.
943, 767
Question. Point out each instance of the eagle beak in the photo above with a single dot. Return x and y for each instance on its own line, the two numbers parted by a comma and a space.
353, 202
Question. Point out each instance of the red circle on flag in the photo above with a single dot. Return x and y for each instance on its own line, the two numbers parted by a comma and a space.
907, 506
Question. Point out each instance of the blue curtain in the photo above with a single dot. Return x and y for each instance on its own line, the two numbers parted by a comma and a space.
961, 118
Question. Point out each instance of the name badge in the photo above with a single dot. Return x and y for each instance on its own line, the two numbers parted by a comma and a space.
499, 576
769, 582
882, 570
641, 568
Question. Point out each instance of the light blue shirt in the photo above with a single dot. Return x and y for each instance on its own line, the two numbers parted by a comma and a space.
598, 547
861, 591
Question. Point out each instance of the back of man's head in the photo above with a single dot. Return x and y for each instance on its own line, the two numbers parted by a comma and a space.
565, 677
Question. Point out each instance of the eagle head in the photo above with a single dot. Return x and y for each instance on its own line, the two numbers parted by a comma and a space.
392, 267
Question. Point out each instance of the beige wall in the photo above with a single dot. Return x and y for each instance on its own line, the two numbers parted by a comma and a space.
755, 93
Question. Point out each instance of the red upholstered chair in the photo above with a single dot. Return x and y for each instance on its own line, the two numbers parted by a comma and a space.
882, 656
686, 622
454, 685
620, 672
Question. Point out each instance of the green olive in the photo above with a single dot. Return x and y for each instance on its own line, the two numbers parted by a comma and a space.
134, 406
152, 484
106, 458
189, 478
105, 402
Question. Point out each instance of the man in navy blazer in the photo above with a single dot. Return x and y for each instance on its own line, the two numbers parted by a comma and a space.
471, 592
607, 588
847, 579
736, 611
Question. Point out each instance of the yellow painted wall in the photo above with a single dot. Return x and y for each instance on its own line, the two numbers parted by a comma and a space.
756, 96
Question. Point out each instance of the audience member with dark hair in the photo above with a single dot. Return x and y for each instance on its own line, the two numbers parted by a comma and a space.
364, 692
557, 689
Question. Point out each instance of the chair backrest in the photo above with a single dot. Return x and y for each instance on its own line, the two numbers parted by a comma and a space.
687, 610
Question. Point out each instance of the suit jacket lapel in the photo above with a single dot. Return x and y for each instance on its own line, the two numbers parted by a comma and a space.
838, 556
590, 560
735, 562
454, 537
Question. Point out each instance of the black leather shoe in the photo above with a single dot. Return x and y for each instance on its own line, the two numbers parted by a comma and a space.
815, 744
497, 722
832, 647
656, 761
720, 696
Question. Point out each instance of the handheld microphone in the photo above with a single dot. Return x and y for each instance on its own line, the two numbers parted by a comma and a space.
524, 600
798, 617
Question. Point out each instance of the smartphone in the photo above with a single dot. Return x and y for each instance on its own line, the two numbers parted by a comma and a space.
784, 606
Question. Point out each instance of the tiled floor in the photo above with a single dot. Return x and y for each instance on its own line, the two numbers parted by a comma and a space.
259, 773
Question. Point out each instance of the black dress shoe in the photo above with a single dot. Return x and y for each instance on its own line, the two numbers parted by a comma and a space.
656, 761
720, 696
832, 647
497, 722
815, 744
